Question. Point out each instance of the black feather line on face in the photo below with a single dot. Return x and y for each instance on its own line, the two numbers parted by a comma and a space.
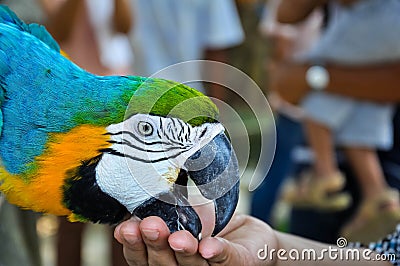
83, 196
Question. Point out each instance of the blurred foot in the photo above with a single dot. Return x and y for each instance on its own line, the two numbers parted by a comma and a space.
318, 193
375, 219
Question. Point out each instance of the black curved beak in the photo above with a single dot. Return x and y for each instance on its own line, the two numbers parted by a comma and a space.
214, 170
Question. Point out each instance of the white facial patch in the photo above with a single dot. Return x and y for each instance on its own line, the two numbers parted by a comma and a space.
146, 155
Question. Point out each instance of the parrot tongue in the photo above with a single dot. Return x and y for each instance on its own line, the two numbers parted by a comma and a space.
178, 216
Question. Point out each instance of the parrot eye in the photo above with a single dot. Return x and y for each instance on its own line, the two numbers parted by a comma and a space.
145, 128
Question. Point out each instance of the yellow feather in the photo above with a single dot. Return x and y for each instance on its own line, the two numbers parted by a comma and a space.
64, 152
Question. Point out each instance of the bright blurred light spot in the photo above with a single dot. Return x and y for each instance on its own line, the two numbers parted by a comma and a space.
47, 226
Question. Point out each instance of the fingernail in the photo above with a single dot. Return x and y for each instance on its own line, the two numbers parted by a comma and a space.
207, 254
131, 239
212, 252
176, 249
151, 234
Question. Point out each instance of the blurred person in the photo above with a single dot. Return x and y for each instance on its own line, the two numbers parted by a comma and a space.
93, 35
358, 127
290, 76
172, 31
368, 75
288, 43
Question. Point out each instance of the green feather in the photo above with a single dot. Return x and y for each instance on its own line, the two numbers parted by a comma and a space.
168, 98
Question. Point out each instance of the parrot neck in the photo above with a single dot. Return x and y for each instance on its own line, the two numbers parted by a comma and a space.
86, 199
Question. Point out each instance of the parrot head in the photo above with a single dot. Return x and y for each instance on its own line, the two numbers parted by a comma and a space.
102, 149
151, 156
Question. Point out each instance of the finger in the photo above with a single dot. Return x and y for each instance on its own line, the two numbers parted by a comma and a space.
218, 251
185, 247
128, 234
155, 235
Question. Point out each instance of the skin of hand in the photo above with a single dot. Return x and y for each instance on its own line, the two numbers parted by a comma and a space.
149, 242
288, 81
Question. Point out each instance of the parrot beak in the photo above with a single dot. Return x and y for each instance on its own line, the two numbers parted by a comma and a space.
178, 216
214, 170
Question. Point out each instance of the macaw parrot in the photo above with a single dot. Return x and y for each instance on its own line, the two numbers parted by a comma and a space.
104, 148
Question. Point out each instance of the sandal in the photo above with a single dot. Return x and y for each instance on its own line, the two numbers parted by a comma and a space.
375, 218
317, 193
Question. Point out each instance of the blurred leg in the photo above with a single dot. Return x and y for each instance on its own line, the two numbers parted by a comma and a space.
320, 140
367, 168
379, 212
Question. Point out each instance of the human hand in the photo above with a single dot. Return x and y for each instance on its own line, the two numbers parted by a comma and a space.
149, 242
287, 79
